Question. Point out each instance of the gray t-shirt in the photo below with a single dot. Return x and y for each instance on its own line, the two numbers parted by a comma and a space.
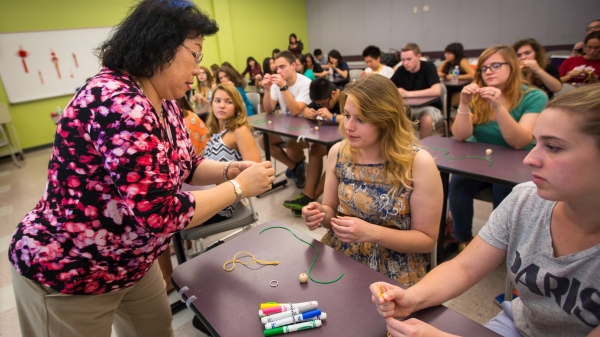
557, 296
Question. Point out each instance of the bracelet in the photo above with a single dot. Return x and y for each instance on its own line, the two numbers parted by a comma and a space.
225, 170
462, 113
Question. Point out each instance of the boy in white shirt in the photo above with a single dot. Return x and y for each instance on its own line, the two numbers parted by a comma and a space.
372, 57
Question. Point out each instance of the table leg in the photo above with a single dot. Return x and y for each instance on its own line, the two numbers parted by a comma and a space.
180, 254
268, 157
444, 251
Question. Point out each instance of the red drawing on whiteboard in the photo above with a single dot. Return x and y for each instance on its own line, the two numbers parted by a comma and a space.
23, 54
75, 59
71, 72
41, 77
55, 61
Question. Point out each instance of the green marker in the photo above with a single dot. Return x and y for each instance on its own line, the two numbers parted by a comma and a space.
293, 328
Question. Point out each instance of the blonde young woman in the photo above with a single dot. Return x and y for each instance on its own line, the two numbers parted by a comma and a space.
230, 134
383, 196
547, 233
499, 108
204, 90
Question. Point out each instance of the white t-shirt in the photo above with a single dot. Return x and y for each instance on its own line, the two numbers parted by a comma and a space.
385, 71
558, 296
300, 92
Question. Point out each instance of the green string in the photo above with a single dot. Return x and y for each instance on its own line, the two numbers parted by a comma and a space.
447, 152
315, 259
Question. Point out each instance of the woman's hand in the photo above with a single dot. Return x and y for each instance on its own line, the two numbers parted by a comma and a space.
254, 178
313, 215
531, 65
466, 94
267, 82
412, 328
237, 167
351, 229
395, 302
198, 99
493, 95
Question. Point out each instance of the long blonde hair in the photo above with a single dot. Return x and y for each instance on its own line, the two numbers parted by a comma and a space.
513, 93
238, 119
379, 103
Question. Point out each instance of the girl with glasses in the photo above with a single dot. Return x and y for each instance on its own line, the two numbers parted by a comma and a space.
586, 68
498, 108
204, 89
536, 68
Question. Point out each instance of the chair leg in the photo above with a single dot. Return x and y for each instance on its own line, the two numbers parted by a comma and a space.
14, 158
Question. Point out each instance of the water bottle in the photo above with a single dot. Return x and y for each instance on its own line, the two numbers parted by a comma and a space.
331, 74
209, 95
455, 73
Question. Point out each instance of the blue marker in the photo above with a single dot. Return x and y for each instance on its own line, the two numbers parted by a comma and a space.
294, 319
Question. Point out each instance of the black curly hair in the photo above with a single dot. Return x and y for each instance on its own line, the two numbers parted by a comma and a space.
147, 40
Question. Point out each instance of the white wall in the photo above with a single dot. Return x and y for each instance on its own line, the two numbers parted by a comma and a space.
351, 25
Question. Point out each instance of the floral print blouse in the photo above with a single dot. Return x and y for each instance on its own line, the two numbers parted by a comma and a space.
113, 196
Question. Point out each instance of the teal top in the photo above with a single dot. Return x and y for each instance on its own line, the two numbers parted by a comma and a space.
247, 103
310, 74
533, 102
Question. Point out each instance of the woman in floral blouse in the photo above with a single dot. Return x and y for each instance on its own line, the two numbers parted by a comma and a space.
83, 258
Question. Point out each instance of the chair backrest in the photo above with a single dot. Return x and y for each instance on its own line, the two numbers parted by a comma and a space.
4, 114
566, 87
354, 74
254, 98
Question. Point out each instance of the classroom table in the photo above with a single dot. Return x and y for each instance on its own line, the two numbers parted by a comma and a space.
416, 102
504, 166
227, 303
293, 127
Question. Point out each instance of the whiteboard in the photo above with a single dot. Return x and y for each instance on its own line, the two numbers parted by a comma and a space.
42, 64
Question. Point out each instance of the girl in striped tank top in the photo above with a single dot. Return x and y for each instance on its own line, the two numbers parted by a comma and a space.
230, 134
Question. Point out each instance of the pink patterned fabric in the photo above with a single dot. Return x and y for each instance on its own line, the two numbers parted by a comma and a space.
113, 196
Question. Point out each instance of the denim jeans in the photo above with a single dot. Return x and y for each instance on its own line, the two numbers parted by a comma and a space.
460, 199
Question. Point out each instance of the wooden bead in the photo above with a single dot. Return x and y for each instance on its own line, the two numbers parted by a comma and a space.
488, 152
316, 128
303, 278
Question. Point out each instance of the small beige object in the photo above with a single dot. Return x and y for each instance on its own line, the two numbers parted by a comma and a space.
270, 122
303, 278
274, 283
488, 152
316, 128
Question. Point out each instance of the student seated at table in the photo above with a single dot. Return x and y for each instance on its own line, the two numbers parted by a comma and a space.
252, 69
324, 105
593, 26
417, 78
291, 91
454, 55
536, 68
382, 201
321, 59
204, 89
341, 71
372, 57
301, 67
547, 231
498, 108
586, 68
228, 75
315, 66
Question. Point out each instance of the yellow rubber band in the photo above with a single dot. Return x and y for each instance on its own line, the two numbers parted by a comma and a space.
235, 260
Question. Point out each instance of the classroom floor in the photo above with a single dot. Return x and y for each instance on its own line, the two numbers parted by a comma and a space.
21, 189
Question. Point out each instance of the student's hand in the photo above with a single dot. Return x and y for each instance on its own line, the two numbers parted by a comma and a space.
258, 77
466, 94
448, 77
530, 65
575, 72
351, 229
441, 74
363, 73
493, 95
310, 113
198, 99
412, 328
313, 215
278, 80
256, 178
396, 302
325, 113
404, 93
267, 81
236, 167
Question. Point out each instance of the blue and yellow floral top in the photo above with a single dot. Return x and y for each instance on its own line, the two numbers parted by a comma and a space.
362, 193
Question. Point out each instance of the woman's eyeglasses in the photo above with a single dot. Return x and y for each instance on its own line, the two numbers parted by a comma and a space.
198, 56
493, 67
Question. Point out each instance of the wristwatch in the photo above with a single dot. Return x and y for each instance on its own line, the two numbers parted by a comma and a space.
237, 189
284, 88
334, 116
